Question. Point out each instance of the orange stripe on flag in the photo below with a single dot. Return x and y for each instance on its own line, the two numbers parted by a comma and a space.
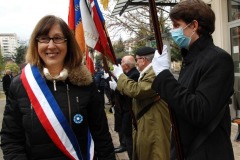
79, 35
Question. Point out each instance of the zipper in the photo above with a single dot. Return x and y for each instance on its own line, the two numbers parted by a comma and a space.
78, 108
69, 107
32, 121
54, 85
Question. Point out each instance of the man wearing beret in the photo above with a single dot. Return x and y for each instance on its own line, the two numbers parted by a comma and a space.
151, 137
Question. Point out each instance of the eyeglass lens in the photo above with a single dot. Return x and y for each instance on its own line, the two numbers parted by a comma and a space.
55, 39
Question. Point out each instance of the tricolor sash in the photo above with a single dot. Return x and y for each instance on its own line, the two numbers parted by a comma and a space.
51, 116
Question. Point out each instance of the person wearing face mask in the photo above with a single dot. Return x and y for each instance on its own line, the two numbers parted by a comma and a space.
199, 99
54, 109
151, 134
180, 38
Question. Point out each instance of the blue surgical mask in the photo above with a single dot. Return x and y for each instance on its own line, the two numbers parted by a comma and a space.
179, 37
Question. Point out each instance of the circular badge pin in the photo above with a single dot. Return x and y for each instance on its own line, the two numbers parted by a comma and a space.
78, 118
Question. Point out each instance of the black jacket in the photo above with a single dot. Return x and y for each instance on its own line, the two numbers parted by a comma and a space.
204, 87
6, 81
99, 80
123, 105
24, 138
124, 100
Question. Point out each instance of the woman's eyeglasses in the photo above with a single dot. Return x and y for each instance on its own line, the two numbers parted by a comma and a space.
56, 40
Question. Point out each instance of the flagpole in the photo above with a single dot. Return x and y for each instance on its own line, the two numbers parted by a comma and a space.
156, 27
159, 42
105, 65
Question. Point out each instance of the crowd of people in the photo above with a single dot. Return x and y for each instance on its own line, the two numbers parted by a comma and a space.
55, 107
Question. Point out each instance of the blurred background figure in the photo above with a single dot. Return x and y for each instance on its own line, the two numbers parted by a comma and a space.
6, 81
100, 82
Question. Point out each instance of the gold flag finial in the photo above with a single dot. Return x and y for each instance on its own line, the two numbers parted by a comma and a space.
105, 4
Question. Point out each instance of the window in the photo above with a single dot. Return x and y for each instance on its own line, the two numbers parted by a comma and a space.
233, 10
235, 49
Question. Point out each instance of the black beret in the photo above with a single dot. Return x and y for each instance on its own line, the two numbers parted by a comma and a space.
145, 51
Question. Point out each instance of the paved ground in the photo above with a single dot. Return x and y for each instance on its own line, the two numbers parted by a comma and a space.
124, 156
110, 117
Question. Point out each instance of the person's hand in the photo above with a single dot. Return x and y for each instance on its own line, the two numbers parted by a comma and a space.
161, 62
105, 75
117, 70
113, 84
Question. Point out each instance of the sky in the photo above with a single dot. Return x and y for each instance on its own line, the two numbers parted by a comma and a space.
21, 16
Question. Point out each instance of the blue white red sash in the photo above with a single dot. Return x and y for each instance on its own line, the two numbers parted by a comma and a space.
51, 116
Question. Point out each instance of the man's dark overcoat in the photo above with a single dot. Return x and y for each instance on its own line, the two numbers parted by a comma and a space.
204, 87
123, 106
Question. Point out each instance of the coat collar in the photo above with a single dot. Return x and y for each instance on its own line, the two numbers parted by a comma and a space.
196, 48
133, 70
79, 76
144, 71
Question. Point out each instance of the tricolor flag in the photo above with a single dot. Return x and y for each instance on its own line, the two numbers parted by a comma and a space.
94, 30
75, 23
103, 44
90, 31
89, 23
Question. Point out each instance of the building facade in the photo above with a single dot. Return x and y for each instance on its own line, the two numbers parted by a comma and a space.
8, 43
227, 36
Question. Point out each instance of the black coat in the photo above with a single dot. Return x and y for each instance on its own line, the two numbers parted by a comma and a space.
6, 81
123, 104
204, 87
99, 80
23, 137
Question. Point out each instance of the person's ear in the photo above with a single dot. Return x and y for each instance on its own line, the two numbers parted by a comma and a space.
194, 25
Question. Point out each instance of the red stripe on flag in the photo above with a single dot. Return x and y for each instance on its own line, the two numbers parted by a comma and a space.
89, 61
102, 45
71, 15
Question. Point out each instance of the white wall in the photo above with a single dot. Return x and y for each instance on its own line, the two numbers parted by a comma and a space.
220, 36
